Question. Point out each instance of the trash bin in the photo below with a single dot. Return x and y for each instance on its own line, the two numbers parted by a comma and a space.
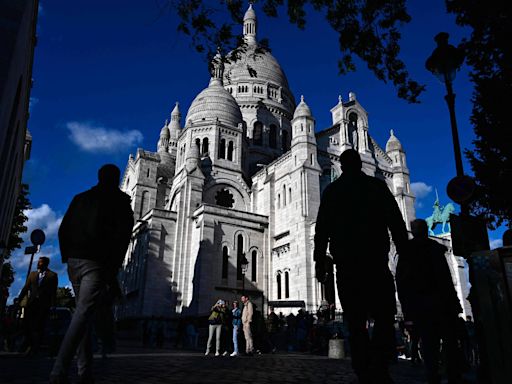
336, 349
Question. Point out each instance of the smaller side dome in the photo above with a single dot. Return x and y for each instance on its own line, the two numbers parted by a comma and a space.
302, 109
164, 132
393, 143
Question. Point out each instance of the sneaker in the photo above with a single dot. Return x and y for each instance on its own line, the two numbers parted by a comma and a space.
207, 353
217, 354
234, 354
225, 353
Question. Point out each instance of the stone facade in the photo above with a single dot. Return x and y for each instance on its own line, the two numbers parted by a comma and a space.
241, 181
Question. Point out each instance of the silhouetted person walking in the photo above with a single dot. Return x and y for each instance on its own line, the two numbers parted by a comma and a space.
94, 237
355, 214
41, 288
429, 299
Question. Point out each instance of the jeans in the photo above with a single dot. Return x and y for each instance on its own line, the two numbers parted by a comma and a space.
87, 278
248, 338
235, 338
217, 328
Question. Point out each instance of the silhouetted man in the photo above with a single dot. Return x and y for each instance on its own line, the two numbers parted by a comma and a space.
355, 214
41, 287
94, 237
429, 299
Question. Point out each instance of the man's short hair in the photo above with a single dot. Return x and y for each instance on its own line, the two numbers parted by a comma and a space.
108, 175
350, 161
419, 228
45, 260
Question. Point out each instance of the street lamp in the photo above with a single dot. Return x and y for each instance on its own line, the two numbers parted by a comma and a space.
444, 63
244, 264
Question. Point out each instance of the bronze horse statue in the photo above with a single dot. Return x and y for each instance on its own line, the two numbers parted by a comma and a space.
441, 215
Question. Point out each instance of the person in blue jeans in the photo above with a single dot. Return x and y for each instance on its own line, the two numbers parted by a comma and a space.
93, 236
237, 323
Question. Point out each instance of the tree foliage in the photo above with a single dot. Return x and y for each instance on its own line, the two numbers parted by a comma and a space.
65, 297
18, 223
489, 54
7, 275
368, 29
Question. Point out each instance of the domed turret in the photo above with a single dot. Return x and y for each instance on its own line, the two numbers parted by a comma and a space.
175, 126
163, 142
302, 109
250, 26
393, 143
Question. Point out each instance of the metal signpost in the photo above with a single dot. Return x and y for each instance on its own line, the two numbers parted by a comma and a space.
37, 237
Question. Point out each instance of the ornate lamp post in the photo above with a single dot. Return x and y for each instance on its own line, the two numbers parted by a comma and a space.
444, 63
244, 264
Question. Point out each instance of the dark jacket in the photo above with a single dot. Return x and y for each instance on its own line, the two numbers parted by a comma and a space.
354, 217
97, 226
44, 294
424, 282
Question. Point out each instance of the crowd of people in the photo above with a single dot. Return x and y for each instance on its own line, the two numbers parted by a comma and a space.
94, 236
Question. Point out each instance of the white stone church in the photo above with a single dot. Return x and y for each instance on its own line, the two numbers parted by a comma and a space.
228, 202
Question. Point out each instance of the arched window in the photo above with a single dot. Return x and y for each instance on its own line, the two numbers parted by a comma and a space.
278, 200
286, 285
278, 281
239, 256
254, 265
205, 146
284, 195
222, 149
198, 144
284, 143
144, 203
257, 135
225, 262
272, 138
230, 151
289, 195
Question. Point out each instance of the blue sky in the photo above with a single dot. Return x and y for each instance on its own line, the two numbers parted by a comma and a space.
107, 75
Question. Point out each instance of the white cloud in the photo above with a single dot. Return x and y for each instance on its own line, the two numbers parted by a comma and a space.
43, 218
495, 243
421, 189
91, 138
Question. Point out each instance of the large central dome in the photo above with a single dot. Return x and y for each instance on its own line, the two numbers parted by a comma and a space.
255, 66
256, 75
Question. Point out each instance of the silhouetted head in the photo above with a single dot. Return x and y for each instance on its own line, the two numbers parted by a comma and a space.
43, 263
350, 162
108, 176
419, 229
245, 299
507, 238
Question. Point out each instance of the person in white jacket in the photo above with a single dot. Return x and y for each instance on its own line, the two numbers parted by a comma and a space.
246, 323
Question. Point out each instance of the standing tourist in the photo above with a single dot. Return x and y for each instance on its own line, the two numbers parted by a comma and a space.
356, 212
237, 323
215, 320
41, 288
429, 299
247, 316
93, 236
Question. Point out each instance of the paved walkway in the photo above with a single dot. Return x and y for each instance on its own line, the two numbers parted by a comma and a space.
150, 367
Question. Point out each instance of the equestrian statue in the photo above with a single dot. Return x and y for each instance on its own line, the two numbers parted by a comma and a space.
441, 215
